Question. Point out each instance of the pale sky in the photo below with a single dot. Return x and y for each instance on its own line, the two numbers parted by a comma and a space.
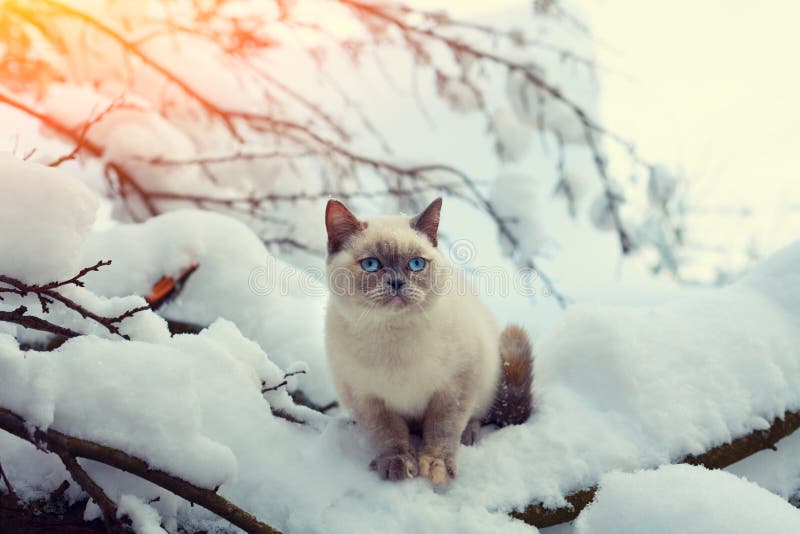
710, 87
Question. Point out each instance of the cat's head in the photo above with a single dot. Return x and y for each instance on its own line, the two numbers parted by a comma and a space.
385, 264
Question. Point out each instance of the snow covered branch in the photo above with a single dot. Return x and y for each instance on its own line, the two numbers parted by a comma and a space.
715, 458
47, 294
70, 447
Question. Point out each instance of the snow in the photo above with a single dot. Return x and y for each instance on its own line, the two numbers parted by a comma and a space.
88, 380
686, 499
616, 387
777, 471
516, 198
144, 519
45, 216
278, 306
513, 137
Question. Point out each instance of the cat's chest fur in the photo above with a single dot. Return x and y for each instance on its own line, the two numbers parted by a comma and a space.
403, 365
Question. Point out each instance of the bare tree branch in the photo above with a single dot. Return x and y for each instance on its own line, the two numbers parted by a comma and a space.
18, 316
47, 295
85, 132
211, 107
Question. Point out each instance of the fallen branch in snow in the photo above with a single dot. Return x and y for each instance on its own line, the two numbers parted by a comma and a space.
48, 294
54, 441
714, 458
107, 506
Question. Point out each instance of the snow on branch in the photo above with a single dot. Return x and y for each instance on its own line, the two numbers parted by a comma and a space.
70, 447
48, 294
716, 458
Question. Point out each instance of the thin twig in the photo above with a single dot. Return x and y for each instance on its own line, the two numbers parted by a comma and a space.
283, 383
83, 136
47, 295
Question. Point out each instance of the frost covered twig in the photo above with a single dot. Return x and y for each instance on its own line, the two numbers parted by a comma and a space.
59, 443
107, 506
48, 294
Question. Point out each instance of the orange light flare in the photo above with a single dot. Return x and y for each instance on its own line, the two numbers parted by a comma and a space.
34, 33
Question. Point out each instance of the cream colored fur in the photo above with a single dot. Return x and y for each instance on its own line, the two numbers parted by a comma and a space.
435, 363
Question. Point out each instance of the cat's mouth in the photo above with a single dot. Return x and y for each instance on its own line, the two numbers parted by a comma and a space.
395, 300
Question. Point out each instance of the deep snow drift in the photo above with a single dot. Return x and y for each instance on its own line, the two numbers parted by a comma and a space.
616, 388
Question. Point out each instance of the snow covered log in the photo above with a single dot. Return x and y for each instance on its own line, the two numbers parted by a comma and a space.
686, 499
59, 443
707, 379
715, 458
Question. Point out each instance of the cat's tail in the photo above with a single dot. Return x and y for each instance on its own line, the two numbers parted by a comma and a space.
513, 401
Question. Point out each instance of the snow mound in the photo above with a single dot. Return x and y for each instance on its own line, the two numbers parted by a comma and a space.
45, 215
686, 499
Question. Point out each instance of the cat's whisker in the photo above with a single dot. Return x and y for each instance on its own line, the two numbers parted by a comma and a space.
372, 304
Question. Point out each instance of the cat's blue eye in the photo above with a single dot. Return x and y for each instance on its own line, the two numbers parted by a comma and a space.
370, 264
416, 264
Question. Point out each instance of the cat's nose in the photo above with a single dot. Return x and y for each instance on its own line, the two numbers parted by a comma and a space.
395, 283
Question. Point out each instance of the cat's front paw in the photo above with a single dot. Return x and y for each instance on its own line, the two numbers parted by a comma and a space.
437, 466
395, 466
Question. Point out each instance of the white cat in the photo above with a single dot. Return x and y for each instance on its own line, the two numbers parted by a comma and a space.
412, 349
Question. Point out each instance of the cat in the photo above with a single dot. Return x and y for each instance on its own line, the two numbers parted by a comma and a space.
411, 350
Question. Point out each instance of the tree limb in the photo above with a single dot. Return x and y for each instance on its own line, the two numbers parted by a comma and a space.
715, 458
32, 322
55, 441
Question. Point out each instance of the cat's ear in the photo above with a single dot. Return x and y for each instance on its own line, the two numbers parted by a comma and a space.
427, 222
341, 225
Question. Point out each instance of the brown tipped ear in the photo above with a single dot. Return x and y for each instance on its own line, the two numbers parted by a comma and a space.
427, 222
341, 225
